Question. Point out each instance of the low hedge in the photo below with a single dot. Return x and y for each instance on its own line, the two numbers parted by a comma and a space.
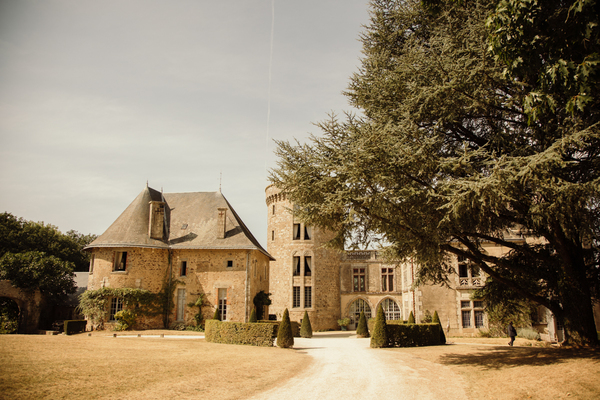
254, 334
371, 323
74, 326
411, 335
295, 326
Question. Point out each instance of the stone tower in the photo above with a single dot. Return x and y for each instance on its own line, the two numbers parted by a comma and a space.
305, 276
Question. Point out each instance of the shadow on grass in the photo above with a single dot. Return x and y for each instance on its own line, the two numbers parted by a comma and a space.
501, 357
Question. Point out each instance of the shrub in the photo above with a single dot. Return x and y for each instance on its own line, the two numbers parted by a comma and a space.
411, 318
295, 326
436, 320
362, 330
306, 328
528, 333
343, 322
253, 316
125, 320
75, 326
379, 336
217, 314
411, 335
261, 299
254, 334
285, 339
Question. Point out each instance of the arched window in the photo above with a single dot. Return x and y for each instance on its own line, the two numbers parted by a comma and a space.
356, 307
391, 310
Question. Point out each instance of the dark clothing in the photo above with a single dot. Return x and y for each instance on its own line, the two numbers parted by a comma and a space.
512, 332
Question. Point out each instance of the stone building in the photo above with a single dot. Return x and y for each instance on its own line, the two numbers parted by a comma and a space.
194, 239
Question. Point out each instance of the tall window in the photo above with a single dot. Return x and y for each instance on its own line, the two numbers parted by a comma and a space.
387, 279
359, 279
183, 268
466, 318
223, 304
296, 235
116, 305
92, 263
308, 297
180, 304
307, 265
296, 297
120, 262
356, 307
478, 318
296, 266
307, 232
391, 310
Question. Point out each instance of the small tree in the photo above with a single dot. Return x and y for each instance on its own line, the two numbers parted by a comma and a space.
436, 320
253, 316
379, 336
285, 339
306, 328
411, 318
261, 299
198, 303
217, 314
362, 330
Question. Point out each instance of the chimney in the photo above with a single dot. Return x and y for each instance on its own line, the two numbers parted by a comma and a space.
157, 218
221, 223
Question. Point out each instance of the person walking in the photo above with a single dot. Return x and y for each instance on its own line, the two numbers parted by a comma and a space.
512, 332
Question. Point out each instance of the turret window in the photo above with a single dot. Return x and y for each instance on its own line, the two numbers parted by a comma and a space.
120, 261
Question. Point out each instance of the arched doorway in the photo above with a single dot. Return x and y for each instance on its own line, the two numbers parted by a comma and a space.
356, 307
9, 316
391, 310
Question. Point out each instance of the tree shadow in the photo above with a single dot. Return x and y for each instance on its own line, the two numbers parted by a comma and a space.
501, 357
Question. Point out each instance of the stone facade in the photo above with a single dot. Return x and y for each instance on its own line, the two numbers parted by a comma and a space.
193, 239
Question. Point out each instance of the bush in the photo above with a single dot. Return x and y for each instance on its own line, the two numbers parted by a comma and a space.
436, 320
75, 326
306, 328
254, 334
253, 316
217, 314
285, 339
528, 333
411, 318
379, 337
362, 330
125, 320
411, 335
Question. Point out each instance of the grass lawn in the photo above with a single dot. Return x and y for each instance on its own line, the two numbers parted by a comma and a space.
100, 366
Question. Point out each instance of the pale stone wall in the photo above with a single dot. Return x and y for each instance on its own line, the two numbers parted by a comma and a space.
324, 280
207, 272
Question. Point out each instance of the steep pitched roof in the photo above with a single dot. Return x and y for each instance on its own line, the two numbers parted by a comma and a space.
191, 222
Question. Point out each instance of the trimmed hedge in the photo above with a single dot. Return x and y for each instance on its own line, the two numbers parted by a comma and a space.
75, 326
295, 326
411, 335
253, 334
371, 323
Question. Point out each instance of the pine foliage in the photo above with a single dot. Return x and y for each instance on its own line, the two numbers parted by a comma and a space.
285, 338
362, 330
379, 334
306, 327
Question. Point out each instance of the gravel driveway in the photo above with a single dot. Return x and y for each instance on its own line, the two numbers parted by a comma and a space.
345, 367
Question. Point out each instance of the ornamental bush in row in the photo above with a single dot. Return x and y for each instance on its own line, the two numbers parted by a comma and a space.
254, 334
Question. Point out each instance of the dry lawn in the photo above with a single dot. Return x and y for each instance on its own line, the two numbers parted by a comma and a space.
493, 370
100, 366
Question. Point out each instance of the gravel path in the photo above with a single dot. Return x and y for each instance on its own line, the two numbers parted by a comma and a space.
345, 367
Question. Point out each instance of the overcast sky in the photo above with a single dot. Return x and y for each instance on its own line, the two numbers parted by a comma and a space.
98, 97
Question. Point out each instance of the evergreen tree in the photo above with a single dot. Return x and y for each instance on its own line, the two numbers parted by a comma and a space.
436, 320
217, 314
306, 327
362, 330
285, 338
379, 334
411, 318
457, 145
253, 316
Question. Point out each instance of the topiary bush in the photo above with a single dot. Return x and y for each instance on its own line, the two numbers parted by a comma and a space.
362, 330
306, 328
285, 339
217, 314
411, 318
436, 320
379, 334
253, 316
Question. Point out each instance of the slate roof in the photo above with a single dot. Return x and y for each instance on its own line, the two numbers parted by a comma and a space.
190, 223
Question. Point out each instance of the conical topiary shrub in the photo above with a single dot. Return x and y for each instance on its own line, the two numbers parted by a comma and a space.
306, 328
217, 314
411, 318
253, 316
379, 334
362, 330
436, 320
285, 338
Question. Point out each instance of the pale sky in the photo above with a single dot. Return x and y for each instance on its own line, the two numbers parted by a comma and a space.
98, 97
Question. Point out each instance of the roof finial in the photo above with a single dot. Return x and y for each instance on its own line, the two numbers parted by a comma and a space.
220, 180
